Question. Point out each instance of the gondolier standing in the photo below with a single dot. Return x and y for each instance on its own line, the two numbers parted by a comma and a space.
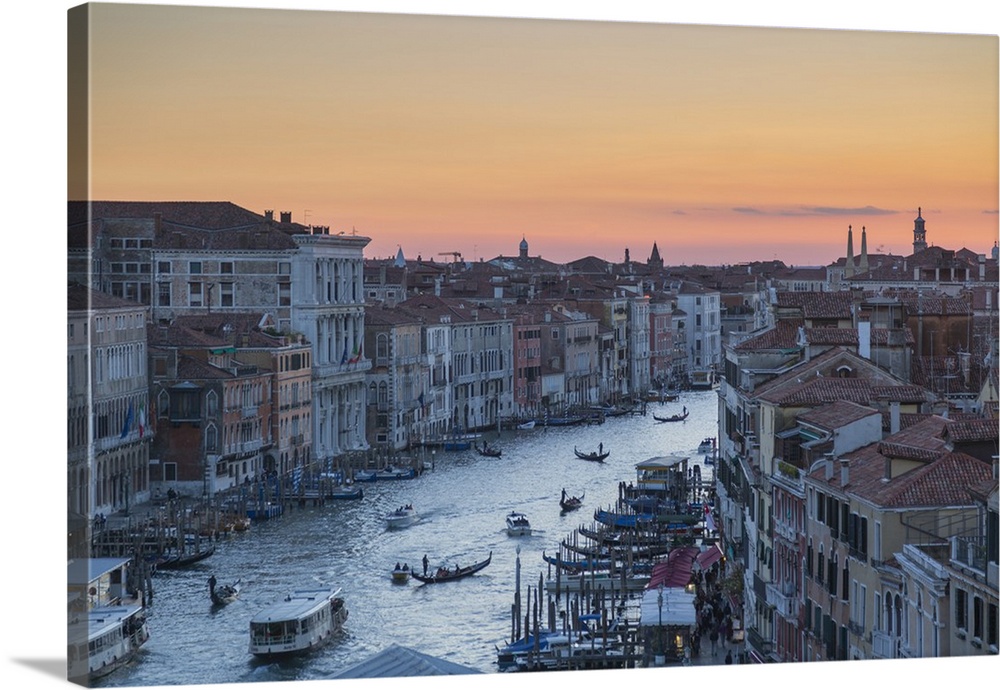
425, 564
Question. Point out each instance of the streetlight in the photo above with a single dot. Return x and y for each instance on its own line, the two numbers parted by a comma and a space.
659, 630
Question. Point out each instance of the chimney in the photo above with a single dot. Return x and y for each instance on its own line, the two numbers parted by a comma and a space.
982, 267
158, 222
828, 467
865, 339
894, 417
843, 471
269, 215
286, 216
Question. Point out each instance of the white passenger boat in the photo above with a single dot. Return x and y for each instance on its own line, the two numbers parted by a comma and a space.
104, 639
518, 525
302, 621
403, 516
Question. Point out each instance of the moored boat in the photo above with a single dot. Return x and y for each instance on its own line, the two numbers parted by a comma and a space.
347, 492
444, 574
707, 444
524, 426
105, 639
403, 516
303, 620
518, 524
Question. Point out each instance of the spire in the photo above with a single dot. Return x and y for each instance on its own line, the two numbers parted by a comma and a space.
849, 267
863, 267
523, 247
400, 261
654, 258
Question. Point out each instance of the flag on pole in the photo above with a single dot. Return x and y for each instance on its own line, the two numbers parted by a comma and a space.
709, 520
343, 360
142, 419
127, 426
357, 354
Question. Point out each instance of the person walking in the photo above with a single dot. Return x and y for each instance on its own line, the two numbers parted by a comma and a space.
714, 638
729, 657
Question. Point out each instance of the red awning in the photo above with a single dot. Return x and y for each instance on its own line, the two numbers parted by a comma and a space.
676, 570
708, 558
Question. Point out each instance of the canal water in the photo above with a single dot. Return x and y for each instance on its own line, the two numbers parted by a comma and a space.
462, 504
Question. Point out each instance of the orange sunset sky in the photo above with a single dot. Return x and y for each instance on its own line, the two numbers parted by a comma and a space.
434, 133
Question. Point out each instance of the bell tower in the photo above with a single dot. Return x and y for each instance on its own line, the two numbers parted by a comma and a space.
919, 233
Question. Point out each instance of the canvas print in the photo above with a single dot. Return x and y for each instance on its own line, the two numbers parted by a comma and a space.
411, 345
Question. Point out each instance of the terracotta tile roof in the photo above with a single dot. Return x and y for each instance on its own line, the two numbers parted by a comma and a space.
836, 414
971, 431
189, 368
906, 419
832, 336
822, 389
82, 298
920, 441
782, 336
887, 336
815, 305
942, 481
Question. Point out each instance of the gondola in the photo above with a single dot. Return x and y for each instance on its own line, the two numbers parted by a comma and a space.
568, 503
488, 452
673, 418
223, 595
448, 574
595, 456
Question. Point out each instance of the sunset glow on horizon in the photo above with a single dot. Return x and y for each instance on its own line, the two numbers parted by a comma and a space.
440, 134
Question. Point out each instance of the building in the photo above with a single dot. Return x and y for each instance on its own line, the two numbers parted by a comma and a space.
109, 421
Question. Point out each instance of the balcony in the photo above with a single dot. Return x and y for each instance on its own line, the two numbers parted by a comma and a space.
885, 646
296, 440
969, 552
250, 412
785, 599
856, 628
758, 643
786, 532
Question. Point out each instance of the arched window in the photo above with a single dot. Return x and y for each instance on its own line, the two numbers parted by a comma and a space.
211, 438
381, 349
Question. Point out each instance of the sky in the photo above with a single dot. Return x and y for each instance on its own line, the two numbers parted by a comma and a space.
443, 133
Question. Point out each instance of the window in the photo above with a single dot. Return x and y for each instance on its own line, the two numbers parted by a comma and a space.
170, 471
163, 267
225, 294
284, 294
284, 268
555, 334
163, 294
961, 609
226, 267
991, 625
194, 295
194, 267
977, 618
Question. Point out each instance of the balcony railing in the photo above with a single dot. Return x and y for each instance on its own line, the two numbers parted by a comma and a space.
757, 642
785, 599
885, 646
970, 552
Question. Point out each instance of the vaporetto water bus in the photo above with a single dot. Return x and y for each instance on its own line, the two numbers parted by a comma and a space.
302, 621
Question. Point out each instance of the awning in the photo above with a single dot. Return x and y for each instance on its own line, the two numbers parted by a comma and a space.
676, 570
678, 608
706, 559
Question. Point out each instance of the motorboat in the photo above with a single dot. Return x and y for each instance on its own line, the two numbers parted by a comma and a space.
524, 426
401, 574
707, 444
302, 621
403, 516
518, 525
